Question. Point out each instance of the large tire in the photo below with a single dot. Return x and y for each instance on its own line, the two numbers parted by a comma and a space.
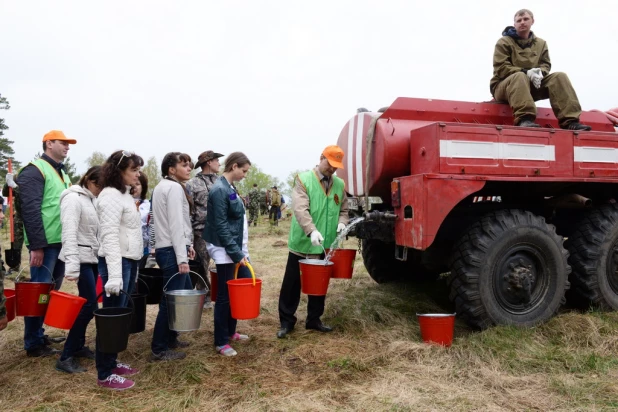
379, 259
509, 268
594, 257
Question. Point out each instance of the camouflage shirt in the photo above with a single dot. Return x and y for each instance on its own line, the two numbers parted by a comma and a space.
254, 198
199, 186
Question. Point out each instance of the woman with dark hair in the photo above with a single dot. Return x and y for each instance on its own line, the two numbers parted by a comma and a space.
140, 191
171, 208
226, 235
80, 225
121, 249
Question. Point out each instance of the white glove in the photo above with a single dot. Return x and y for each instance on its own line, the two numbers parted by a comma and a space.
71, 276
113, 286
340, 227
10, 181
316, 238
535, 76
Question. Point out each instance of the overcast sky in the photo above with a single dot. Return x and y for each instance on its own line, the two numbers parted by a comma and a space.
277, 80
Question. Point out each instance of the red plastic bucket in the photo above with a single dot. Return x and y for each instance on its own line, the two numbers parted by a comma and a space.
10, 303
63, 309
437, 328
314, 276
213, 284
244, 295
99, 288
343, 263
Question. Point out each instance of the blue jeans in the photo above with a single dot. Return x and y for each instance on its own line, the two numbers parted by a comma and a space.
225, 324
86, 285
33, 325
107, 361
162, 335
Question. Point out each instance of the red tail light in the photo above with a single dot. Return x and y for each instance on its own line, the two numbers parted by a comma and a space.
395, 194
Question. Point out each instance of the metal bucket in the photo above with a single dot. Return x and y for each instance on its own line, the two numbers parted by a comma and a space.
184, 307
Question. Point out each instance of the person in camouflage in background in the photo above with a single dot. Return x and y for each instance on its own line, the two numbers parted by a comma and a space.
199, 187
18, 223
254, 204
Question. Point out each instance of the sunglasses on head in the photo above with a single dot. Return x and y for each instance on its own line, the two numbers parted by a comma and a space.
125, 154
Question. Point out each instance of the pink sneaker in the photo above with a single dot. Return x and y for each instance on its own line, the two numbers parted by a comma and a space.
238, 337
226, 350
116, 383
123, 369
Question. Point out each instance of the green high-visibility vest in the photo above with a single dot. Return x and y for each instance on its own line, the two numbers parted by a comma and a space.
324, 209
50, 208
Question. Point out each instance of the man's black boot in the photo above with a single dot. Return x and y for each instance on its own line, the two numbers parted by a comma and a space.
577, 126
319, 326
42, 352
528, 122
283, 332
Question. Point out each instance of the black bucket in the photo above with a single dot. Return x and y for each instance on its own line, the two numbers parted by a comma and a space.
113, 326
138, 321
153, 282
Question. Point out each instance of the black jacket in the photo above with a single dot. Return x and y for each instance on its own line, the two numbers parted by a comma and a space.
31, 188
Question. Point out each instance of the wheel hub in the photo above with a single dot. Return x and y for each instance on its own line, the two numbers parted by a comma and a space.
517, 282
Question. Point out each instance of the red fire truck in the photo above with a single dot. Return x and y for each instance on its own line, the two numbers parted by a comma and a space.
522, 218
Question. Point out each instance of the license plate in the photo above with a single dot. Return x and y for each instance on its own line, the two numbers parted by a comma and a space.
352, 203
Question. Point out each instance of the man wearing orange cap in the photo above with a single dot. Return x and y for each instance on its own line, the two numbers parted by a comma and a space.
320, 207
41, 182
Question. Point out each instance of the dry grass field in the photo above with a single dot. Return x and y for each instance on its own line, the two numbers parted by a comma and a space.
374, 360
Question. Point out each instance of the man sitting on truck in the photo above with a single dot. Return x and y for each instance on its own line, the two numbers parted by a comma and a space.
521, 77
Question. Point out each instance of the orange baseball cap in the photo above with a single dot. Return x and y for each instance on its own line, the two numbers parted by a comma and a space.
58, 135
334, 154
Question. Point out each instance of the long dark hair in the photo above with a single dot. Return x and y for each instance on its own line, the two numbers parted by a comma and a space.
143, 180
92, 175
118, 162
171, 160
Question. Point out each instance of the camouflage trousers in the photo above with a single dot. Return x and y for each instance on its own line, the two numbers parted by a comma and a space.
199, 245
253, 214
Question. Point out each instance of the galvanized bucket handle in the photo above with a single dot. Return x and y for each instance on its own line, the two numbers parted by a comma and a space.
178, 273
43, 266
121, 291
250, 270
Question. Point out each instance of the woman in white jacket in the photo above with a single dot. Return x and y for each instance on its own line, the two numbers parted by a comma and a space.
80, 225
121, 249
171, 207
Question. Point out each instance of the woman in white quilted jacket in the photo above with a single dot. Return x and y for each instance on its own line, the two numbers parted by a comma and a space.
171, 207
80, 247
121, 249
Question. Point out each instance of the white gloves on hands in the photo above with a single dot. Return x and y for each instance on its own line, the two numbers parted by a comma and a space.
10, 181
340, 227
535, 76
113, 287
316, 238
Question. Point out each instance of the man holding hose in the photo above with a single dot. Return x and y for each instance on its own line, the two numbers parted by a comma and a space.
320, 207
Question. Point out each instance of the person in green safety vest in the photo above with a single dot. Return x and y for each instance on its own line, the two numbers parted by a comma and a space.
320, 207
41, 182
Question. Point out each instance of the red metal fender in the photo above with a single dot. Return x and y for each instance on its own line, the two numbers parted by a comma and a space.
431, 198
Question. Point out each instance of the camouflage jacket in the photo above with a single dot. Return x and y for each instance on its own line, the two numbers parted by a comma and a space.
254, 198
199, 186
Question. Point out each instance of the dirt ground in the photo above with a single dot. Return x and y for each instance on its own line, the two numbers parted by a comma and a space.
374, 360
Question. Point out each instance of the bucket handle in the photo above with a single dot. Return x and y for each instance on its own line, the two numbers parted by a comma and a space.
145, 284
121, 291
178, 273
50, 274
250, 270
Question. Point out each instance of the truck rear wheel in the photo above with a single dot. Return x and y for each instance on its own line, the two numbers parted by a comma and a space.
379, 259
509, 268
594, 257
